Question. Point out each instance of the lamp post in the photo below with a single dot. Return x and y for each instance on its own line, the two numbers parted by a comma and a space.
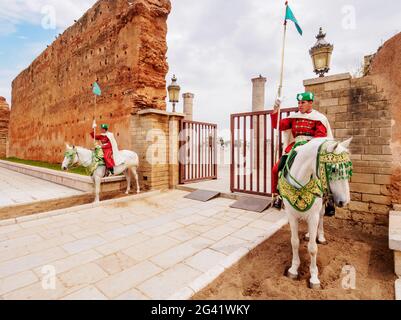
321, 54
174, 92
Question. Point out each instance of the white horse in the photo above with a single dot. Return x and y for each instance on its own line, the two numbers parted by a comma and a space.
303, 168
83, 157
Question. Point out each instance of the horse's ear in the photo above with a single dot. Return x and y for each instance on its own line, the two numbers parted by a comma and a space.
331, 147
346, 143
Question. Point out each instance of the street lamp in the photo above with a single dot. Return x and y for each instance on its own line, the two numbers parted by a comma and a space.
321, 54
174, 92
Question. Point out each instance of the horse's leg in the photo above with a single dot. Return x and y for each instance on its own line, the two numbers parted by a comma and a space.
128, 177
313, 223
97, 180
320, 233
135, 173
293, 271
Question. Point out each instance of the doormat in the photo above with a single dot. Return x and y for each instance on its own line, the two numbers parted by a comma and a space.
203, 195
252, 204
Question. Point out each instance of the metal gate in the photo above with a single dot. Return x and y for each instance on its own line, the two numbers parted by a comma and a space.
198, 152
252, 149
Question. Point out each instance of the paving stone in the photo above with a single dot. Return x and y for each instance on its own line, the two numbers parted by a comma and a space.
117, 284
82, 275
19, 242
72, 262
178, 253
219, 233
170, 281
17, 281
121, 244
249, 233
158, 231
116, 263
183, 234
122, 232
150, 248
228, 245
83, 244
205, 260
31, 261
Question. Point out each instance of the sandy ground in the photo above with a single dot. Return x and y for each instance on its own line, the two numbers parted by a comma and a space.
260, 275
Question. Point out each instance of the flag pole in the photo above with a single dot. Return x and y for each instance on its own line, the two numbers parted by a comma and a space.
94, 122
280, 89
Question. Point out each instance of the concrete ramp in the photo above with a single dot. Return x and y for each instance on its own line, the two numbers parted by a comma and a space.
203, 195
252, 204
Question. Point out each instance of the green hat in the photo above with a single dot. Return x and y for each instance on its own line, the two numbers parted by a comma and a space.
306, 96
105, 126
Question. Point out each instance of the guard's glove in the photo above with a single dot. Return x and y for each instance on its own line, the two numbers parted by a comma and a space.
278, 102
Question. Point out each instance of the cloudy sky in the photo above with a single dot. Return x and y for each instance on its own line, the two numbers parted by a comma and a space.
217, 46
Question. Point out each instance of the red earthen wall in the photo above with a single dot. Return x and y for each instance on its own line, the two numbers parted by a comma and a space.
386, 70
121, 46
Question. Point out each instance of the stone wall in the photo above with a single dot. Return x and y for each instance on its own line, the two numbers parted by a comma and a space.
4, 122
359, 108
123, 47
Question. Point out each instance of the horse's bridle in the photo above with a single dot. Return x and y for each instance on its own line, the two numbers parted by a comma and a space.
70, 154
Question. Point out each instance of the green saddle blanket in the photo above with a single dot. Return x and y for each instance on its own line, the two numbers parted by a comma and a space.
97, 160
301, 199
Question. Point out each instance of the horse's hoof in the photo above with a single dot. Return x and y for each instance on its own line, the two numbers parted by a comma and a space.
315, 286
291, 275
323, 243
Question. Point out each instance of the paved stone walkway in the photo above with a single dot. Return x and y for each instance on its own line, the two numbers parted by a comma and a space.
150, 248
18, 188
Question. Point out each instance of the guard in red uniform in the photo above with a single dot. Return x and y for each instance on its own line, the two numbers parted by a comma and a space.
106, 147
301, 126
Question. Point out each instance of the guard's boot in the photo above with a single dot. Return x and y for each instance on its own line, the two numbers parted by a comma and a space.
278, 203
330, 210
111, 172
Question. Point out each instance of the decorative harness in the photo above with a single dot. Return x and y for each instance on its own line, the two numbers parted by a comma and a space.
329, 167
97, 159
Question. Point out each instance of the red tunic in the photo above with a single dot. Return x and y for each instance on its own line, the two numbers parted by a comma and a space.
107, 150
299, 127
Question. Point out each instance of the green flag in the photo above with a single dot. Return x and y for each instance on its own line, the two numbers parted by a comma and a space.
96, 89
289, 15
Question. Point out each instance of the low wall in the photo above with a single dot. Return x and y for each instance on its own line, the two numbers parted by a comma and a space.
71, 180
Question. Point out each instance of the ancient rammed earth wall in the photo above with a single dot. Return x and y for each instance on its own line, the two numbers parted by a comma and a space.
4, 121
123, 47
386, 71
